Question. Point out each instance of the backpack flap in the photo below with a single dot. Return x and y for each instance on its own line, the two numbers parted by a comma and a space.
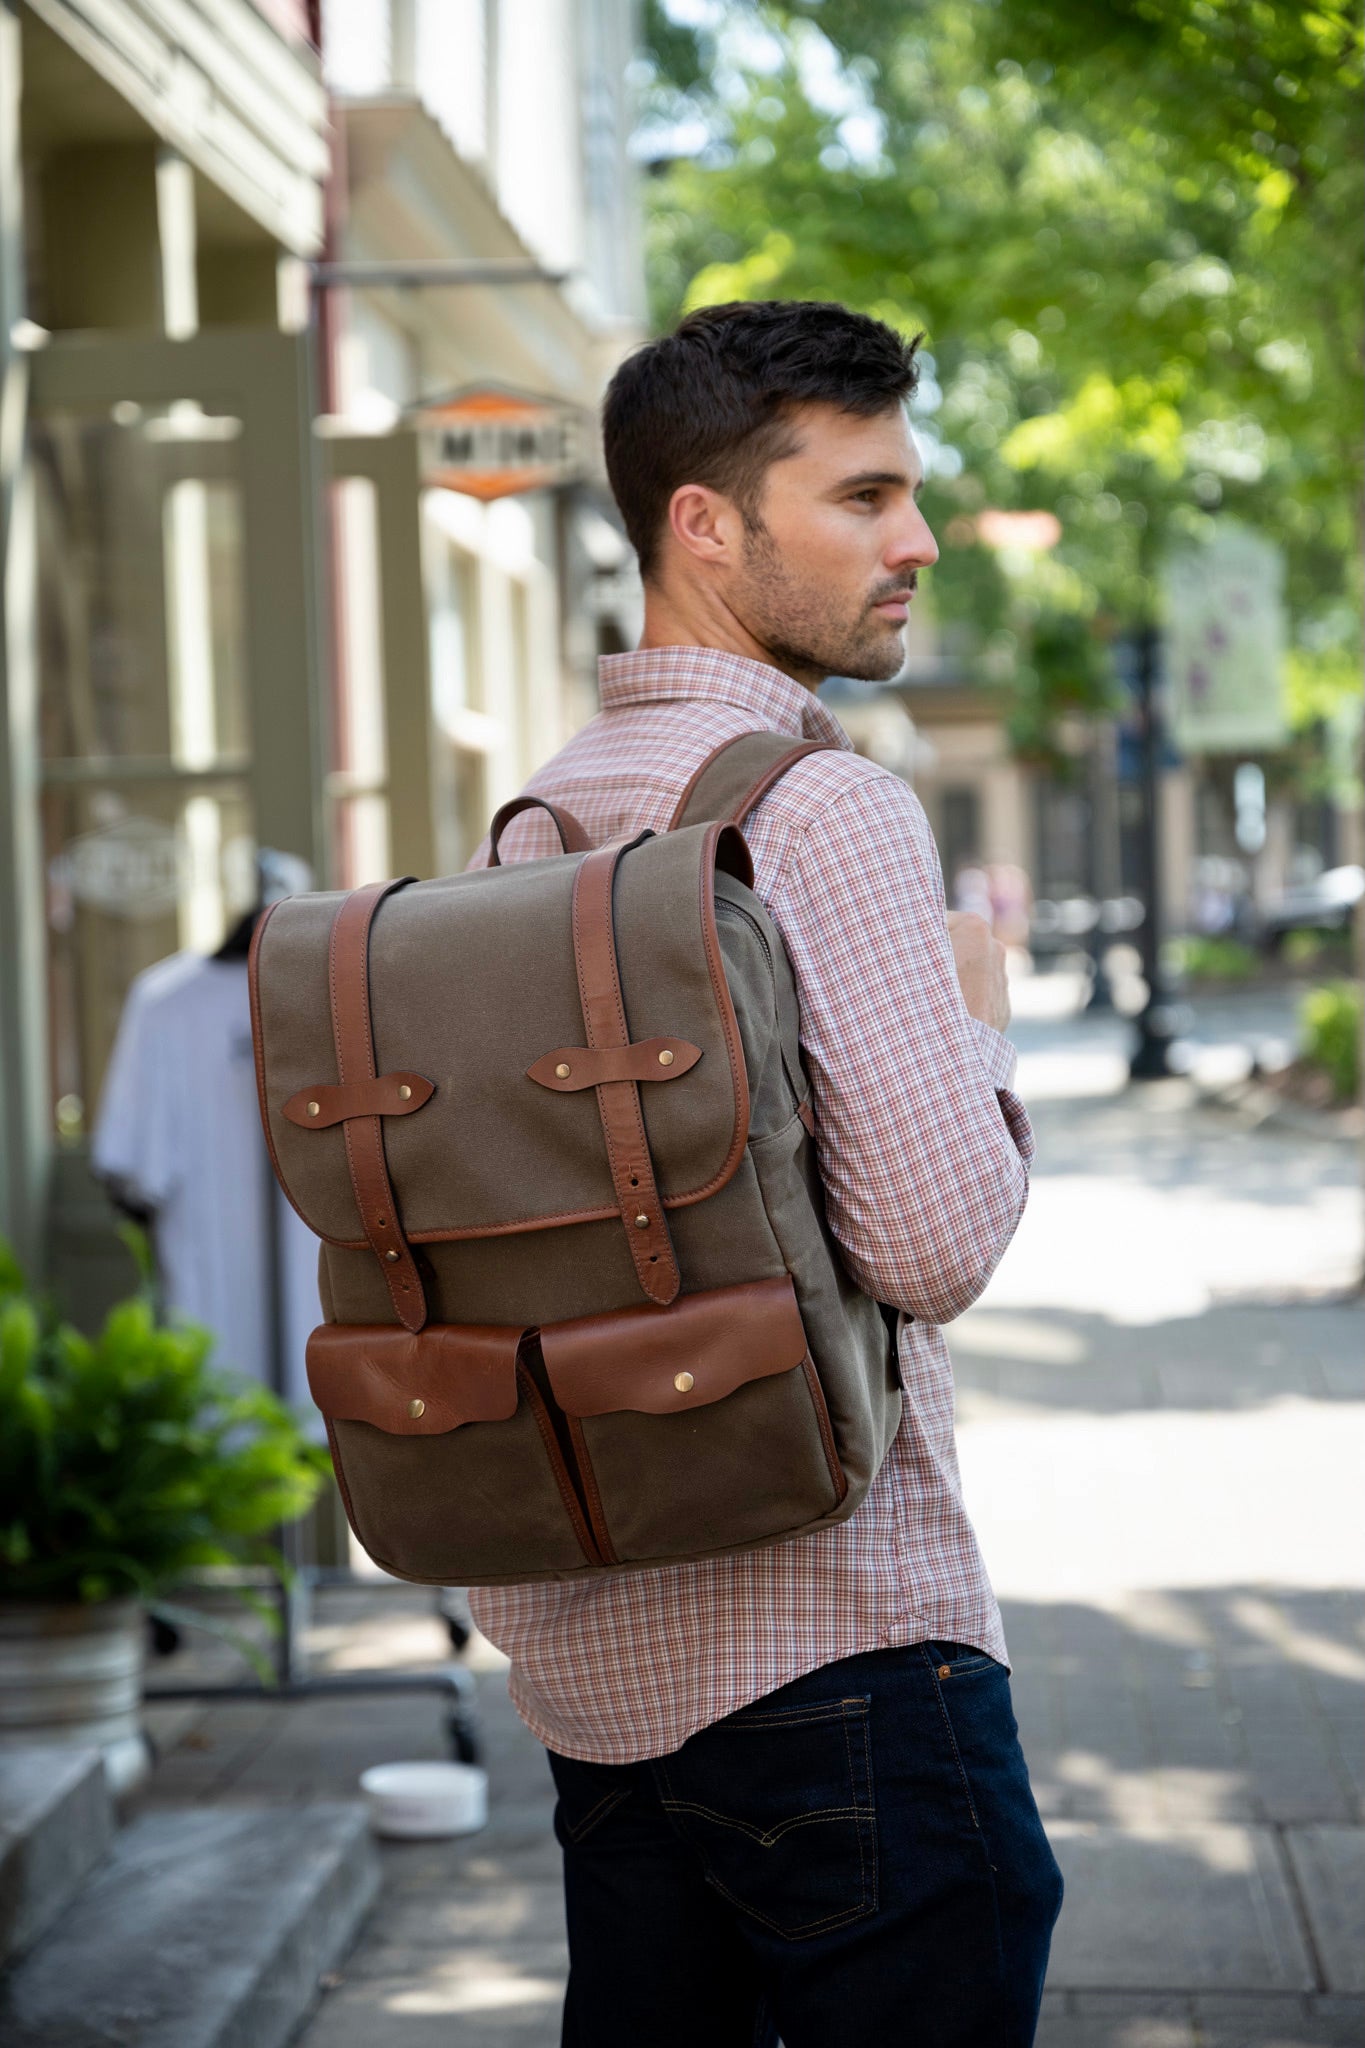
474, 1000
414, 1383
662, 1362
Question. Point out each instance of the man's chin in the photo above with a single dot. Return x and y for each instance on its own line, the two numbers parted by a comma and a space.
879, 664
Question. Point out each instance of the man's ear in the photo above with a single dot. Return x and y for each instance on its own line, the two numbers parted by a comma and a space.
705, 525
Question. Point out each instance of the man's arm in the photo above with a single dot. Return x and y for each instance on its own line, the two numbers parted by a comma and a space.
923, 1147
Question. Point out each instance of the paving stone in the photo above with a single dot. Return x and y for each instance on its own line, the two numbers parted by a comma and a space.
479, 1996
426, 1914
203, 1929
1290, 1753
1329, 1864
1123, 2021
1178, 1909
55, 1825
1240, 2022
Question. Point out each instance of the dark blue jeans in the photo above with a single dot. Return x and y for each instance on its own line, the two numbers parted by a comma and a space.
853, 1861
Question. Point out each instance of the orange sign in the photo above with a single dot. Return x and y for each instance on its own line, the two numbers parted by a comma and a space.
492, 444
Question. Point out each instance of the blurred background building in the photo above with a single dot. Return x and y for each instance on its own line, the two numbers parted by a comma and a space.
240, 612
305, 310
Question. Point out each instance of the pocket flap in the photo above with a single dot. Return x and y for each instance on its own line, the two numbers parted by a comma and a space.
661, 1360
414, 1384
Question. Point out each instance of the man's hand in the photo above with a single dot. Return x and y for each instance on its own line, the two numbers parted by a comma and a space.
980, 961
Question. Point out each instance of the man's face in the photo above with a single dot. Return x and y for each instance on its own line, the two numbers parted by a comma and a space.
828, 572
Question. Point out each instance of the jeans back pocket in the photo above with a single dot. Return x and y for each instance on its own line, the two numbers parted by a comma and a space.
778, 1802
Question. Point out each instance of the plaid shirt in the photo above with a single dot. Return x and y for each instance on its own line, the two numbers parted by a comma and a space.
923, 1151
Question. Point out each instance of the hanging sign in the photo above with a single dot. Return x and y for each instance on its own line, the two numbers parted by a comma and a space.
492, 443
1224, 652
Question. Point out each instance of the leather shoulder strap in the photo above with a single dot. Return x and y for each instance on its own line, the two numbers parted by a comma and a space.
349, 973
736, 774
618, 1101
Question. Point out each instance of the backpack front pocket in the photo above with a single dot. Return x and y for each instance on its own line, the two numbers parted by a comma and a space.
446, 1458
697, 1428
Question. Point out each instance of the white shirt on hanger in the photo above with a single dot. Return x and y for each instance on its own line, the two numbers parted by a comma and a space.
180, 1130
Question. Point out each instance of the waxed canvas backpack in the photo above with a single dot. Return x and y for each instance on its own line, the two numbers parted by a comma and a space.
550, 1121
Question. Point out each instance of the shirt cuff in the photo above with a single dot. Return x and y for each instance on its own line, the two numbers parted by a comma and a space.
998, 1056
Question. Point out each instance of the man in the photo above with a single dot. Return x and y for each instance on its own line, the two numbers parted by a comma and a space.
764, 466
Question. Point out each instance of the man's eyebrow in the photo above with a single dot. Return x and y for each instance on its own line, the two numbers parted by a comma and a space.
863, 478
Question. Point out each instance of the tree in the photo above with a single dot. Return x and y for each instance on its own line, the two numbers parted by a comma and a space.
1132, 254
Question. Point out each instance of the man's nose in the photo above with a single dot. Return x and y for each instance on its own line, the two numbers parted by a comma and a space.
914, 545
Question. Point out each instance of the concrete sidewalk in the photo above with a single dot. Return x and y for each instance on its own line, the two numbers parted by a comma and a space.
1162, 1413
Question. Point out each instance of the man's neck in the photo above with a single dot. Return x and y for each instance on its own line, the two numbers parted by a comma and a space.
710, 624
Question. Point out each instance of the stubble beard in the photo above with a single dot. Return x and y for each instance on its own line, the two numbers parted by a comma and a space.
806, 633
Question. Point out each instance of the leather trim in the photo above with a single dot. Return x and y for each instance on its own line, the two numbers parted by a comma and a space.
596, 1512
572, 836
348, 972
339, 1469
817, 1395
589, 1065
373, 1372
258, 1051
729, 1022
618, 1101
630, 1358
573, 1507
380, 1097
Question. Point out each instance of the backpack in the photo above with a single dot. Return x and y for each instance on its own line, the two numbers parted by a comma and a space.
550, 1121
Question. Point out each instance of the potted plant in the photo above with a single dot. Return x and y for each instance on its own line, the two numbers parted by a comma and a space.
126, 1462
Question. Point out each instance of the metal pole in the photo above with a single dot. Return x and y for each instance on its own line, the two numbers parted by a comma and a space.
1151, 1055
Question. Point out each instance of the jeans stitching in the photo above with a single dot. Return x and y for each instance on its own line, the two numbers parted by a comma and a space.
746, 1717
952, 1741
795, 1933
765, 1837
871, 1812
860, 1814
857, 1823
597, 1813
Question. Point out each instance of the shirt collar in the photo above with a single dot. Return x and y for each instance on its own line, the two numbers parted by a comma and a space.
654, 674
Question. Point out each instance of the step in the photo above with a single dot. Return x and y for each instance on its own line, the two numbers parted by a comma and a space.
205, 1928
55, 1825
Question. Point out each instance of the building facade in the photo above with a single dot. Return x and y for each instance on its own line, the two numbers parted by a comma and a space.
235, 612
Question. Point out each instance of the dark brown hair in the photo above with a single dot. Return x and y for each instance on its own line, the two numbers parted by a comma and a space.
711, 403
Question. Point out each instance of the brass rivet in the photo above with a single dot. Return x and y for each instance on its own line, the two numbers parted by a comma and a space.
416, 1408
390, 1255
642, 1222
315, 1109
684, 1382
945, 1671
562, 1070
665, 1058
404, 1092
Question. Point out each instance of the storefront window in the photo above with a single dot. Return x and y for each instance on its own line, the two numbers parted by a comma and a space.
147, 826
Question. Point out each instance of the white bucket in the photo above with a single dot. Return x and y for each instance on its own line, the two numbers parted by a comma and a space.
426, 1800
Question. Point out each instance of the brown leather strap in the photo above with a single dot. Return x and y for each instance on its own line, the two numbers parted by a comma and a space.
618, 1102
570, 1067
737, 775
317, 1109
349, 973
572, 837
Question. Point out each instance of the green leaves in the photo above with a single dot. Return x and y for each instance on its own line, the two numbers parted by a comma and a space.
1131, 231
126, 1460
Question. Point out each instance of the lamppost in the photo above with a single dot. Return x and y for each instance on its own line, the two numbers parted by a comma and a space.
1151, 1056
